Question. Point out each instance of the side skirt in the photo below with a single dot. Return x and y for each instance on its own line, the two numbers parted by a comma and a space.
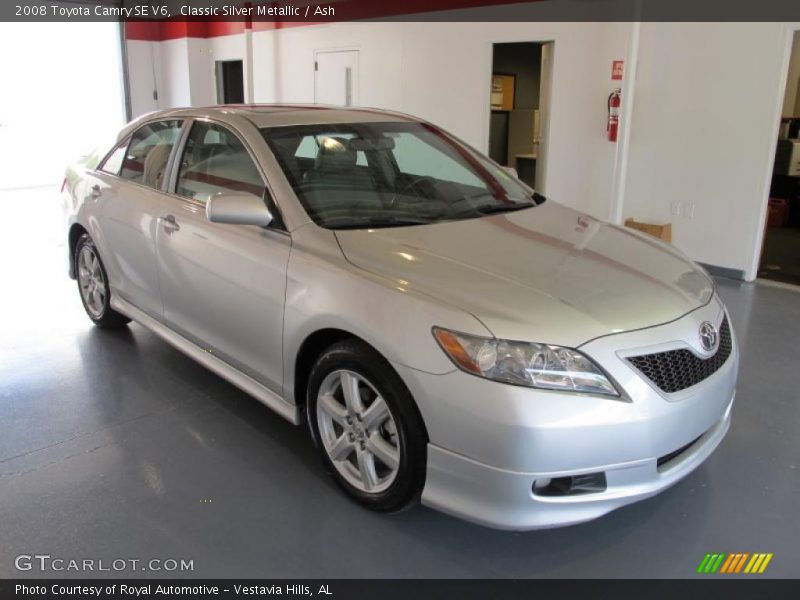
217, 365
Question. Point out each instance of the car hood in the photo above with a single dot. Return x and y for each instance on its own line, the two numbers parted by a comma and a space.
545, 274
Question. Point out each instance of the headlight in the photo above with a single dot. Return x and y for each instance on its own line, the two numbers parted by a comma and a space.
522, 363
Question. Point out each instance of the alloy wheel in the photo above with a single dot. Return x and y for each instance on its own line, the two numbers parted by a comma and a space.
358, 431
91, 281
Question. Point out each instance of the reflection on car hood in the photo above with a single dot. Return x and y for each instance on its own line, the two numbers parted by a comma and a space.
546, 274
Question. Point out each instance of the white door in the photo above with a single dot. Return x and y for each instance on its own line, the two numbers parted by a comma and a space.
545, 99
336, 77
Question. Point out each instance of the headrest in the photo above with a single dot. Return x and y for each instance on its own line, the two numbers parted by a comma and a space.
334, 154
154, 165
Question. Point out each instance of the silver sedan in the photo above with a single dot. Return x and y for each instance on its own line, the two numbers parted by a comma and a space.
447, 334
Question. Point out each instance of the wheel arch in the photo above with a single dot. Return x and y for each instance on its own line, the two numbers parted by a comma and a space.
310, 349
314, 345
75, 232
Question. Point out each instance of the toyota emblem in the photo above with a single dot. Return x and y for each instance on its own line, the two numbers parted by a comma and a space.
708, 336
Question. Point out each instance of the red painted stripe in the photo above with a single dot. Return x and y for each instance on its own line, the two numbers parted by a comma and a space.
221, 28
160, 31
345, 10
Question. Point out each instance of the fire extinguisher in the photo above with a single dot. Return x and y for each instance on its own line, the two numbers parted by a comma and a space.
612, 127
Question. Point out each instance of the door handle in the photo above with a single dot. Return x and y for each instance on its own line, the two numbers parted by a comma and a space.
170, 224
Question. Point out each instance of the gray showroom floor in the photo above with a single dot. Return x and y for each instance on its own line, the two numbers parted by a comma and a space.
114, 445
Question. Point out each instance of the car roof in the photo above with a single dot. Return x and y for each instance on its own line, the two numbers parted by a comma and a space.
276, 115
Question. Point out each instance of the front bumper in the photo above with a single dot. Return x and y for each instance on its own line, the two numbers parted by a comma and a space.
490, 442
505, 500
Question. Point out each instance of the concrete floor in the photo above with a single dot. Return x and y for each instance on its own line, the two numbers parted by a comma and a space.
781, 260
114, 445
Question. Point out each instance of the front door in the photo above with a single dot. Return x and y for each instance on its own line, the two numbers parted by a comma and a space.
223, 286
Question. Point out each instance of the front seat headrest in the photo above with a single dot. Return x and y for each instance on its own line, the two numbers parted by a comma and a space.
334, 154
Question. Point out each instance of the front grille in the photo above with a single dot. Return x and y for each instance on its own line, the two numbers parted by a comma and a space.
676, 370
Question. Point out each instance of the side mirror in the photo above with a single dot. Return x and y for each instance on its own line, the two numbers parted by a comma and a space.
511, 171
238, 208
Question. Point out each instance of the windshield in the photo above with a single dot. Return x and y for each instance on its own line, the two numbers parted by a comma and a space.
366, 175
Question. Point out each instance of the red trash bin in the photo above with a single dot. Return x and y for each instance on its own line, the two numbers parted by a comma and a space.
778, 214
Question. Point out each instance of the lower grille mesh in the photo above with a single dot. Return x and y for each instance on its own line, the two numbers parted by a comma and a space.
676, 370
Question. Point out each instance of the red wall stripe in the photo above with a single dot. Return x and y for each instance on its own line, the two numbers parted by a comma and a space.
345, 10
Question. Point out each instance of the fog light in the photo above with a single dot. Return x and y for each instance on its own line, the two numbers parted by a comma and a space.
589, 483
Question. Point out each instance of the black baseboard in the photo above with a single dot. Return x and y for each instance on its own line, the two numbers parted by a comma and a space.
716, 271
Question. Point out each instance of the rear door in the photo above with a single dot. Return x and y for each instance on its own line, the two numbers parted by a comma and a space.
130, 186
223, 286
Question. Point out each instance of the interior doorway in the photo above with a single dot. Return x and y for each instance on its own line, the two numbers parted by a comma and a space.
780, 252
336, 77
230, 81
520, 98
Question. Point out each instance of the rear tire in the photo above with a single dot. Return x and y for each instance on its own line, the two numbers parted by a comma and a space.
93, 286
366, 427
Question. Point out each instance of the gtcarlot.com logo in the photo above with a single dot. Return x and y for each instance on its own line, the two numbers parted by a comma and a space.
46, 562
735, 563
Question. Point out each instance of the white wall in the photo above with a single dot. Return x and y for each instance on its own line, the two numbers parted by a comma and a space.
143, 80
707, 104
442, 72
174, 84
702, 125
438, 71
173, 69
284, 61
181, 71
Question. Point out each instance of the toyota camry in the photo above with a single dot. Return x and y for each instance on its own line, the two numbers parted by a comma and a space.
448, 335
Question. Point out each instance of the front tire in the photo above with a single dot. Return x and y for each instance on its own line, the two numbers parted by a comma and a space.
93, 286
367, 427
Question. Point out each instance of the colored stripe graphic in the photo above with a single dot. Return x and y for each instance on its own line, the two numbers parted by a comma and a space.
764, 564
741, 561
728, 563
720, 562
752, 563
711, 563
757, 564
735, 560
717, 563
702, 566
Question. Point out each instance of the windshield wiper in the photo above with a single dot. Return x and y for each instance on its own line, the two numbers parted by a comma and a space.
491, 209
377, 223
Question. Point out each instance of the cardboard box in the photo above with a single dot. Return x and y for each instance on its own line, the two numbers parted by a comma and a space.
663, 232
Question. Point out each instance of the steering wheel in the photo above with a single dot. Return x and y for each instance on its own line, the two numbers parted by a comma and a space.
411, 184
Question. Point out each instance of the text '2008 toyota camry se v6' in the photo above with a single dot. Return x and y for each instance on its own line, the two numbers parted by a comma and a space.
448, 335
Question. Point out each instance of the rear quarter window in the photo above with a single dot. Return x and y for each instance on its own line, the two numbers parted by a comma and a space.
147, 155
113, 162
